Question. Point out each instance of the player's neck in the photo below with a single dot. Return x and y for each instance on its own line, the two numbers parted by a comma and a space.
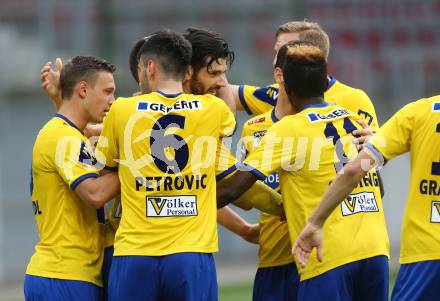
76, 115
302, 103
283, 107
169, 86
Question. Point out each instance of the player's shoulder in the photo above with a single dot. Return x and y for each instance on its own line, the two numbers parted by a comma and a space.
432, 102
211, 102
60, 126
339, 87
268, 94
58, 130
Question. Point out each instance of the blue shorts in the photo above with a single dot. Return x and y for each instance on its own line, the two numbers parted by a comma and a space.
50, 289
176, 277
418, 281
276, 283
108, 257
362, 280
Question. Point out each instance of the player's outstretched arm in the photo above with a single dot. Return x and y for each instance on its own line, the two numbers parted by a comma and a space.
233, 187
235, 97
50, 81
98, 191
339, 189
261, 197
236, 224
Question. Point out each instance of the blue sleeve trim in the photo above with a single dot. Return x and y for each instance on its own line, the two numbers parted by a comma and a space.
225, 173
243, 166
110, 168
376, 153
242, 100
82, 178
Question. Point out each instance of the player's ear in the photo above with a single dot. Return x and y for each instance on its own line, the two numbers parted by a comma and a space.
188, 74
81, 89
278, 75
151, 68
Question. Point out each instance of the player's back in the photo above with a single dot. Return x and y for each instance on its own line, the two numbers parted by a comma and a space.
70, 237
166, 145
314, 145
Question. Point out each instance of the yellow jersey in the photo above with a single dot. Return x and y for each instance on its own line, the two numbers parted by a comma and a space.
307, 149
416, 129
258, 100
225, 163
274, 241
71, 238
164, 148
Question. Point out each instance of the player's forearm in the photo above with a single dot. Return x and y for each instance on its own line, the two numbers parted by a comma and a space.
233, 187
338, 190
231, 221
98, 191
234, 89
226, 94
263, 198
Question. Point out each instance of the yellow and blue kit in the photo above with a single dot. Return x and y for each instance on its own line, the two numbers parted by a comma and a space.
164, 147
416, 129
71, 239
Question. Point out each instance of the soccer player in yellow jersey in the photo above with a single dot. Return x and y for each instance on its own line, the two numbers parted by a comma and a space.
261, 100
66, 189
163, 145
415, 129
307, 149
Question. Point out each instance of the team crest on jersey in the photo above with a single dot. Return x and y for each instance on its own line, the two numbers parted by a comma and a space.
258, 136
182, 205
436, 107
337, 113
435, 212
359, 202
258, 120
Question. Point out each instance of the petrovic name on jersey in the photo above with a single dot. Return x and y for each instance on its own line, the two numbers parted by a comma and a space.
171, 183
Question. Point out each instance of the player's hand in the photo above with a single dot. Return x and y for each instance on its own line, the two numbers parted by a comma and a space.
252, 233
50, 79
309, 238
362, 135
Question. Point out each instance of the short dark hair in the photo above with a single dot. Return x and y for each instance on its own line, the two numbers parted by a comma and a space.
304, 69
81, 68
133, 60
208, 47
170, 49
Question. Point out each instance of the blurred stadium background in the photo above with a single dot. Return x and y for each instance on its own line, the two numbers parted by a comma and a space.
388, 48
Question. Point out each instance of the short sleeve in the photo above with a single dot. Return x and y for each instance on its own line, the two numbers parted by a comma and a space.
74, 160
225, 161
366, 110
258, 100
394, 138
